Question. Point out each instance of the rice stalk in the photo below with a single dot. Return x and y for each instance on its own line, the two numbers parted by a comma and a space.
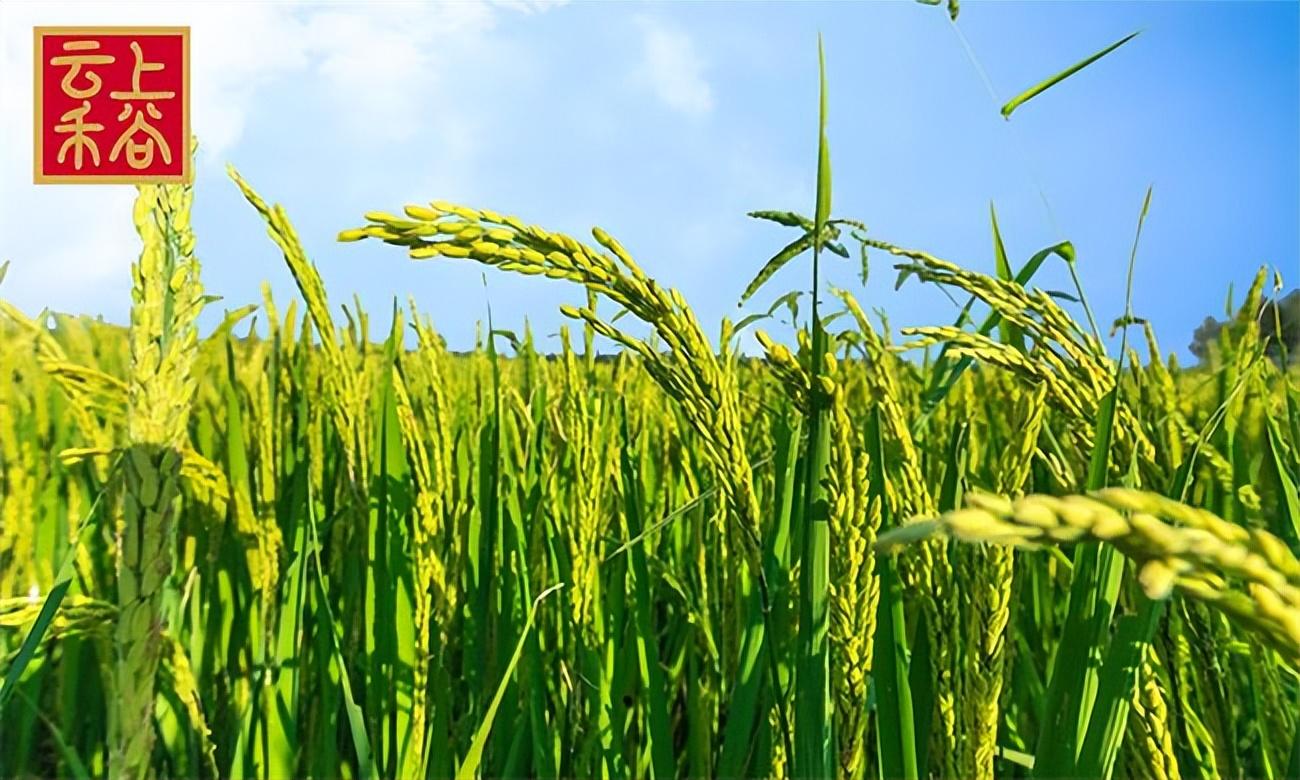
166, 298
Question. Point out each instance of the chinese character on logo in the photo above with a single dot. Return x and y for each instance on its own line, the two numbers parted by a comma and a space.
112, 104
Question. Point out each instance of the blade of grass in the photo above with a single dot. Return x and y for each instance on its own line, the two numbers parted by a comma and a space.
469, 767
1289, 522
1094, 588
895, 720
1103, 731
1123, 660
69, 755
757, 678
656, 692
1293, 763
1009, 332
50, 607
813, 729
1046, 84
356, 718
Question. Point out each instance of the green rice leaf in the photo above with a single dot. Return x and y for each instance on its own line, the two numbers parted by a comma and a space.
50, 606
1046, 84
469, 767
1009, 332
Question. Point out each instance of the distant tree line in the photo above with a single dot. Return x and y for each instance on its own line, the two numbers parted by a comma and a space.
1279, 326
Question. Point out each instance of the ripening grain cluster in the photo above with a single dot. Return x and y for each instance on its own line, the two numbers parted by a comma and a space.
300, 547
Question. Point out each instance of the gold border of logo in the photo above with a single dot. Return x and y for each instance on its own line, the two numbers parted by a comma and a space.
39, 177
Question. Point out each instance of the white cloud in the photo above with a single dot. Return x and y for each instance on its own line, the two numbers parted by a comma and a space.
386, 64
671, 68
69, 248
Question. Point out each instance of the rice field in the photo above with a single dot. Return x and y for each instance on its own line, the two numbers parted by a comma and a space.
300, 547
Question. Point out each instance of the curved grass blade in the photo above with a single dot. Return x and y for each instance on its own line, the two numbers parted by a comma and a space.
356, 719
1288, 525
67, 570
69, 755
954, 6
232, 318
789, 300
469, 767
1046, 84
754, 691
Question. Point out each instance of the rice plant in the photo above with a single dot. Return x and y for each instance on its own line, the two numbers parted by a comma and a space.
295, 547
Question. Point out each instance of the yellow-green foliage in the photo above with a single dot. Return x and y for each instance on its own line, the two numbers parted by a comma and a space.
302, 551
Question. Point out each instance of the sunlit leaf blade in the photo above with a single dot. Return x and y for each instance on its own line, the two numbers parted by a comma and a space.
648, 660
509, 335
823, 212
1052, 81
1119, 674
748, 320
905, 272
1001, 266
233, 318
789, 300
1009, 332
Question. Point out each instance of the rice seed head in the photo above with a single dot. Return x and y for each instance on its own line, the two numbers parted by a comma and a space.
1175, 546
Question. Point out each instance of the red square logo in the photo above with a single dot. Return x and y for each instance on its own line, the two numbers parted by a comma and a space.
112, 105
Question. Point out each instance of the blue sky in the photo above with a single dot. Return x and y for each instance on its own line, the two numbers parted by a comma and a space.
665, 123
